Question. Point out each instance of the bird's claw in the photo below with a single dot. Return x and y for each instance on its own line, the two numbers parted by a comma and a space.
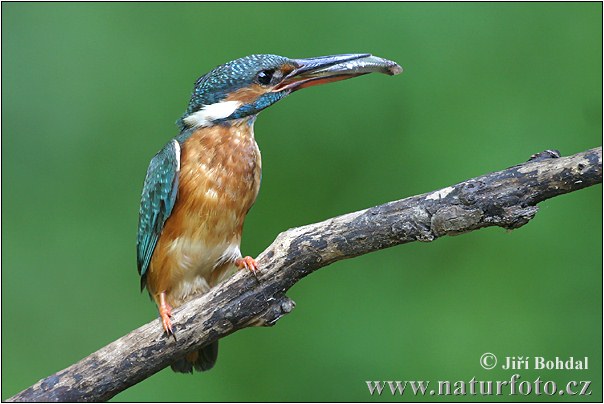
247, 263
167, 323
165, 312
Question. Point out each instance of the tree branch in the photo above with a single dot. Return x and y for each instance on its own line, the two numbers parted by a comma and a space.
506, 199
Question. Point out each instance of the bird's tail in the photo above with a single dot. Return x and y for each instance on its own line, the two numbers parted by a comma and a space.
201, 360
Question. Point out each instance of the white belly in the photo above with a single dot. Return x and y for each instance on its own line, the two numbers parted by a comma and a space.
195, 264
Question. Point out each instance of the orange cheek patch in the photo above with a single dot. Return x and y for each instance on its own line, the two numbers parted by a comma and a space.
247, 95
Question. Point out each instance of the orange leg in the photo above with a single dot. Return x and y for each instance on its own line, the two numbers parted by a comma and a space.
165, 312
248, 263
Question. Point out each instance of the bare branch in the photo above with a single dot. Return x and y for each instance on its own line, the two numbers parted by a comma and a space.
506, 199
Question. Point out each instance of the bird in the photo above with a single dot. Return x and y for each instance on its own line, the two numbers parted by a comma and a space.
200, 186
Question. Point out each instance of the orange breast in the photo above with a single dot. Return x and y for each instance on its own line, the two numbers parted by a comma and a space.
218, 182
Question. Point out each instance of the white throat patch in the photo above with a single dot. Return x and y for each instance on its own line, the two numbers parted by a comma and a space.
210, 113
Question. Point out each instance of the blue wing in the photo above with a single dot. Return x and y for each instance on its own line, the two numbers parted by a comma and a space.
158, 198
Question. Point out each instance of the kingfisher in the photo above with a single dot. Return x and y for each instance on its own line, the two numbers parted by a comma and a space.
202, 183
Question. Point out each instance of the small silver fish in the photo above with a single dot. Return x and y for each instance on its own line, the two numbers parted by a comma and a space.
364, 65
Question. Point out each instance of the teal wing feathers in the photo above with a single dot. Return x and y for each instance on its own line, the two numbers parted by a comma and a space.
157, 200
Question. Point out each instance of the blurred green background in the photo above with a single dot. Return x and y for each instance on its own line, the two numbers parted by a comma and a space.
91, 91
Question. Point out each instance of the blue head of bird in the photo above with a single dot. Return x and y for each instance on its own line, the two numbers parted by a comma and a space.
244, 87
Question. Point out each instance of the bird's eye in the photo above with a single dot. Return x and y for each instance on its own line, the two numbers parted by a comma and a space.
265, 77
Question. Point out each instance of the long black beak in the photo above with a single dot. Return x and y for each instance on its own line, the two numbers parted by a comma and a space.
327, 69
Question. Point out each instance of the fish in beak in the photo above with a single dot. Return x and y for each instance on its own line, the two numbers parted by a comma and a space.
327, 69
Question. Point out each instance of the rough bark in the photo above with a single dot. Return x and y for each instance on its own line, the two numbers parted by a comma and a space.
505, 198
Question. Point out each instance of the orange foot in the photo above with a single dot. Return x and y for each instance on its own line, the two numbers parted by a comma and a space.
248, 263
165, 312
